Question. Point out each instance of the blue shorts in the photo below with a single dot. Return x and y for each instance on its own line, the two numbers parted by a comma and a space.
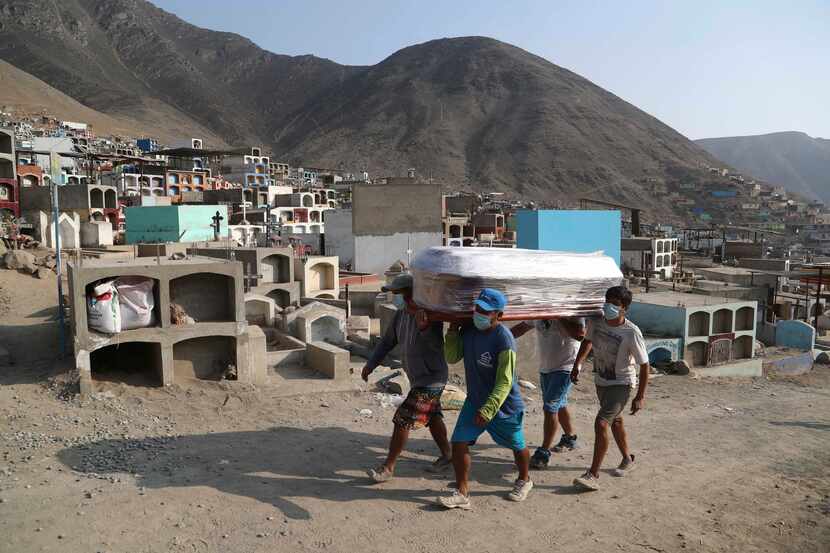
556, 386
506, 431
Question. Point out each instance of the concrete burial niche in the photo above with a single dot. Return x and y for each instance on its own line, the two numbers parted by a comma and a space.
207, 297
315, 320
319, 276
217, 338
260, 310
134, 363
204, 358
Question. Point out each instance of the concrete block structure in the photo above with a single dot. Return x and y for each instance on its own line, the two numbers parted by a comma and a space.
713, 330
92, 202
30, 176
390, 219
269, 271
9, 190
260, 310
69, 229
96, 234
248, 169
319, 277
655, 255
329, 360
178, 223
578, 231
314, 322
209, 291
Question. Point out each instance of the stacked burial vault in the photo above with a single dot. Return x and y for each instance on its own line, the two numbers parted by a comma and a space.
243, 310
214, 340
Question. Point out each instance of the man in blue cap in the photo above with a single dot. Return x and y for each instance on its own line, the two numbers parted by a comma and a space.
494, 402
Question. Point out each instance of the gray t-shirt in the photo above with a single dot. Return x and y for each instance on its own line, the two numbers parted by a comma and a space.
618, 352
422, 351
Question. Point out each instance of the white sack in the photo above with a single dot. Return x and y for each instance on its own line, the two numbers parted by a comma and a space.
136, 301
103, 313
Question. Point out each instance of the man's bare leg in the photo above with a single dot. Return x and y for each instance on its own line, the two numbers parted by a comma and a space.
550, 428
600, 445
564, 416
618, 429
461, 463
396, 445
522, 459
439, 433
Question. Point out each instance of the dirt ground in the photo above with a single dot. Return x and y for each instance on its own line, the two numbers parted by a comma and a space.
724, 465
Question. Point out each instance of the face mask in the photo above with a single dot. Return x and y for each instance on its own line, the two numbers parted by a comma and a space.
398, 301
610, 311
482, 322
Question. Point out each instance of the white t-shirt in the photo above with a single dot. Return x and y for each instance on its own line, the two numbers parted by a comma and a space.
618, 352
557, 350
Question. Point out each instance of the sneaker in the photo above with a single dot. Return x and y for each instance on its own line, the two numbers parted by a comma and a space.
587, 482
380, 474
566, 443
441, 464
540, 459
520, 490
455, 501
625, 467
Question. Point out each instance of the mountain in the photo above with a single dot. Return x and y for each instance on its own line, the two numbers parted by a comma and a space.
472, 112
25, 94
795, 160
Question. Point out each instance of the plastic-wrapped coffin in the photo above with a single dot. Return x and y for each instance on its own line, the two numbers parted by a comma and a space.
538, 284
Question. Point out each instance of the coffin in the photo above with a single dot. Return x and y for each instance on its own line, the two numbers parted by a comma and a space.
538, 284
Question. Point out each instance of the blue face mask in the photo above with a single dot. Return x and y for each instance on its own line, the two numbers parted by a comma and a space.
610, 311
398, 301
482, 322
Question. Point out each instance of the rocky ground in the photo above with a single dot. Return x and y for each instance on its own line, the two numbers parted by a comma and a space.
724, 465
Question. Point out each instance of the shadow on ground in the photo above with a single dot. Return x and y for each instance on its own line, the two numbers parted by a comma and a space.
802, 424
280, 466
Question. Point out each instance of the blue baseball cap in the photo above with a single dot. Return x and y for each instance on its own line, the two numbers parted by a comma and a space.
491, 300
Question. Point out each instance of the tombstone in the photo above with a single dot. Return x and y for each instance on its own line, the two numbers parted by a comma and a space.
795, 334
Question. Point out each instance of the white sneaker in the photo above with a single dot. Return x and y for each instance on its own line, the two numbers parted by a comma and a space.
587, 482
520, 490
455, 501
626, 466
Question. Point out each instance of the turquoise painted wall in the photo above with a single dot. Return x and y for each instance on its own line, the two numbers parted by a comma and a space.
658, 320
579, 231
196, 221
176, 223
152, 224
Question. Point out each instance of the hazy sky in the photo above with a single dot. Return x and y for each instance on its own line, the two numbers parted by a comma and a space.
707, 68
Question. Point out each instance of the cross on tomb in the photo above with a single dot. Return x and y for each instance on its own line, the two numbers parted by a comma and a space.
250, 278
217, 219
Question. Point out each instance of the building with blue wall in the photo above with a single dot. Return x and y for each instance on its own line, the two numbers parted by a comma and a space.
578, 231
174, 223
712, 330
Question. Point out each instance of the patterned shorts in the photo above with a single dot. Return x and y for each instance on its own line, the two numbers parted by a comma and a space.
419, 408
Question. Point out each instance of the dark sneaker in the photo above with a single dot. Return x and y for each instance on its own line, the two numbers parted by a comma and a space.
566, 443
540, 459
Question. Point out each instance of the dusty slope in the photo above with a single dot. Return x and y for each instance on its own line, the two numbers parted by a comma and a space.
469, 111
208, 467
792, 159
22, 92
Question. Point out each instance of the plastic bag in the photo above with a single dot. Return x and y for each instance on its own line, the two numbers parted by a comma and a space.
452, 398
136, 301
537, 283
103, 312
